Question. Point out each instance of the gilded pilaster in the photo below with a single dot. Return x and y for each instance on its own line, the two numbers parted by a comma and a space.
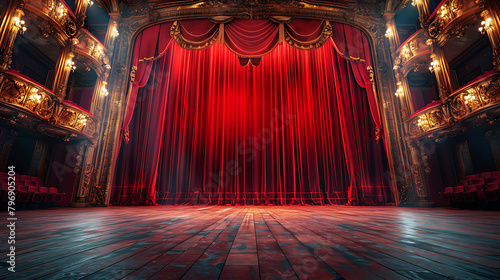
441, 69
424, 11
491, 24
9, 27
62, 70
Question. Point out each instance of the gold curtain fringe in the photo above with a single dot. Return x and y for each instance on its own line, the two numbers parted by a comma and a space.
309, 45
175, 33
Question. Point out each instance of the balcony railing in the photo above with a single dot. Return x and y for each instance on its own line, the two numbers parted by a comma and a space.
92, 50
26, 95
478, 96
58, 15
413, 53
452, 18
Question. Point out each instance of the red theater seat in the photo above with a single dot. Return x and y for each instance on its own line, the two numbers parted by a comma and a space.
485, 175
23, 195
456, 196
470, 177
445, 196
36, 195
470, 194
58, 197
477, 182
495, 174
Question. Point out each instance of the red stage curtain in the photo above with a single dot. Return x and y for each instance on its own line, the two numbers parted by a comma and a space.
353, 45
150, 44
305, 30
289, 131
250, 38
204, 126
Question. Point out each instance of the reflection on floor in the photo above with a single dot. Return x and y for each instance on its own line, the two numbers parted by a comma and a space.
267, 242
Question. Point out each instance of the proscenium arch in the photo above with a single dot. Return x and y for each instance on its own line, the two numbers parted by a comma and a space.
373, 28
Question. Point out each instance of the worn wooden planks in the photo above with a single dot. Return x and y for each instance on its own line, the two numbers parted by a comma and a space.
257, 242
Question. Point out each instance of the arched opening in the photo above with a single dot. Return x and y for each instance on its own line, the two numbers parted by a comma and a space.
213, 124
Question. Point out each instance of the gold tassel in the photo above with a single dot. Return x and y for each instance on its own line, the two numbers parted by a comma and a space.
281, 32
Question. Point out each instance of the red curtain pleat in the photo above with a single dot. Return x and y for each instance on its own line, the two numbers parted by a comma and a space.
206, 129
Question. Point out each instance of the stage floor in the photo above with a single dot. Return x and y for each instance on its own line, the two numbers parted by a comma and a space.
267, 242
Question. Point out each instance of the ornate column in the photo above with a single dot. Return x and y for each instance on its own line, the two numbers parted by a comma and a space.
62, 70
491, 25
10, 25
80, 10
82, 182
440, 67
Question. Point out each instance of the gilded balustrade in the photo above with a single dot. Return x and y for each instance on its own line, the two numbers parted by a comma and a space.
26, 95
91, 48
61, 23
464, 103
413, 53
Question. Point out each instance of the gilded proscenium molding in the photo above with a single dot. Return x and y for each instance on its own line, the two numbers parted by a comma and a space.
413, 54
29, 97
463, 104
371, 25
61, 25
452, 18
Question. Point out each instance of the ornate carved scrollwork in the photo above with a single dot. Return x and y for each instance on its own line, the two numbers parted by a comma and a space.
28, 96
460, 105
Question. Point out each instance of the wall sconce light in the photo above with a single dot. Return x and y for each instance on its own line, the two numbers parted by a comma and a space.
70, 64
434, 66
388, 33
35, 96
19, 23
90, 2
104, 90
114, 32
405, 51
83, 120
485, 26
399, 91
61, 11
414, 3
421, 120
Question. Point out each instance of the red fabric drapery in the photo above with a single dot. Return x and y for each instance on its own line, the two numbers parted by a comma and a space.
199, 109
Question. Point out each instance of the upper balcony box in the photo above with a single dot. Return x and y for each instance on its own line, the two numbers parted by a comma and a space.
413, 53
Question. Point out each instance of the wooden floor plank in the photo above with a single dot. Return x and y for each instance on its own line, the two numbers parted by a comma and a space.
256, 242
